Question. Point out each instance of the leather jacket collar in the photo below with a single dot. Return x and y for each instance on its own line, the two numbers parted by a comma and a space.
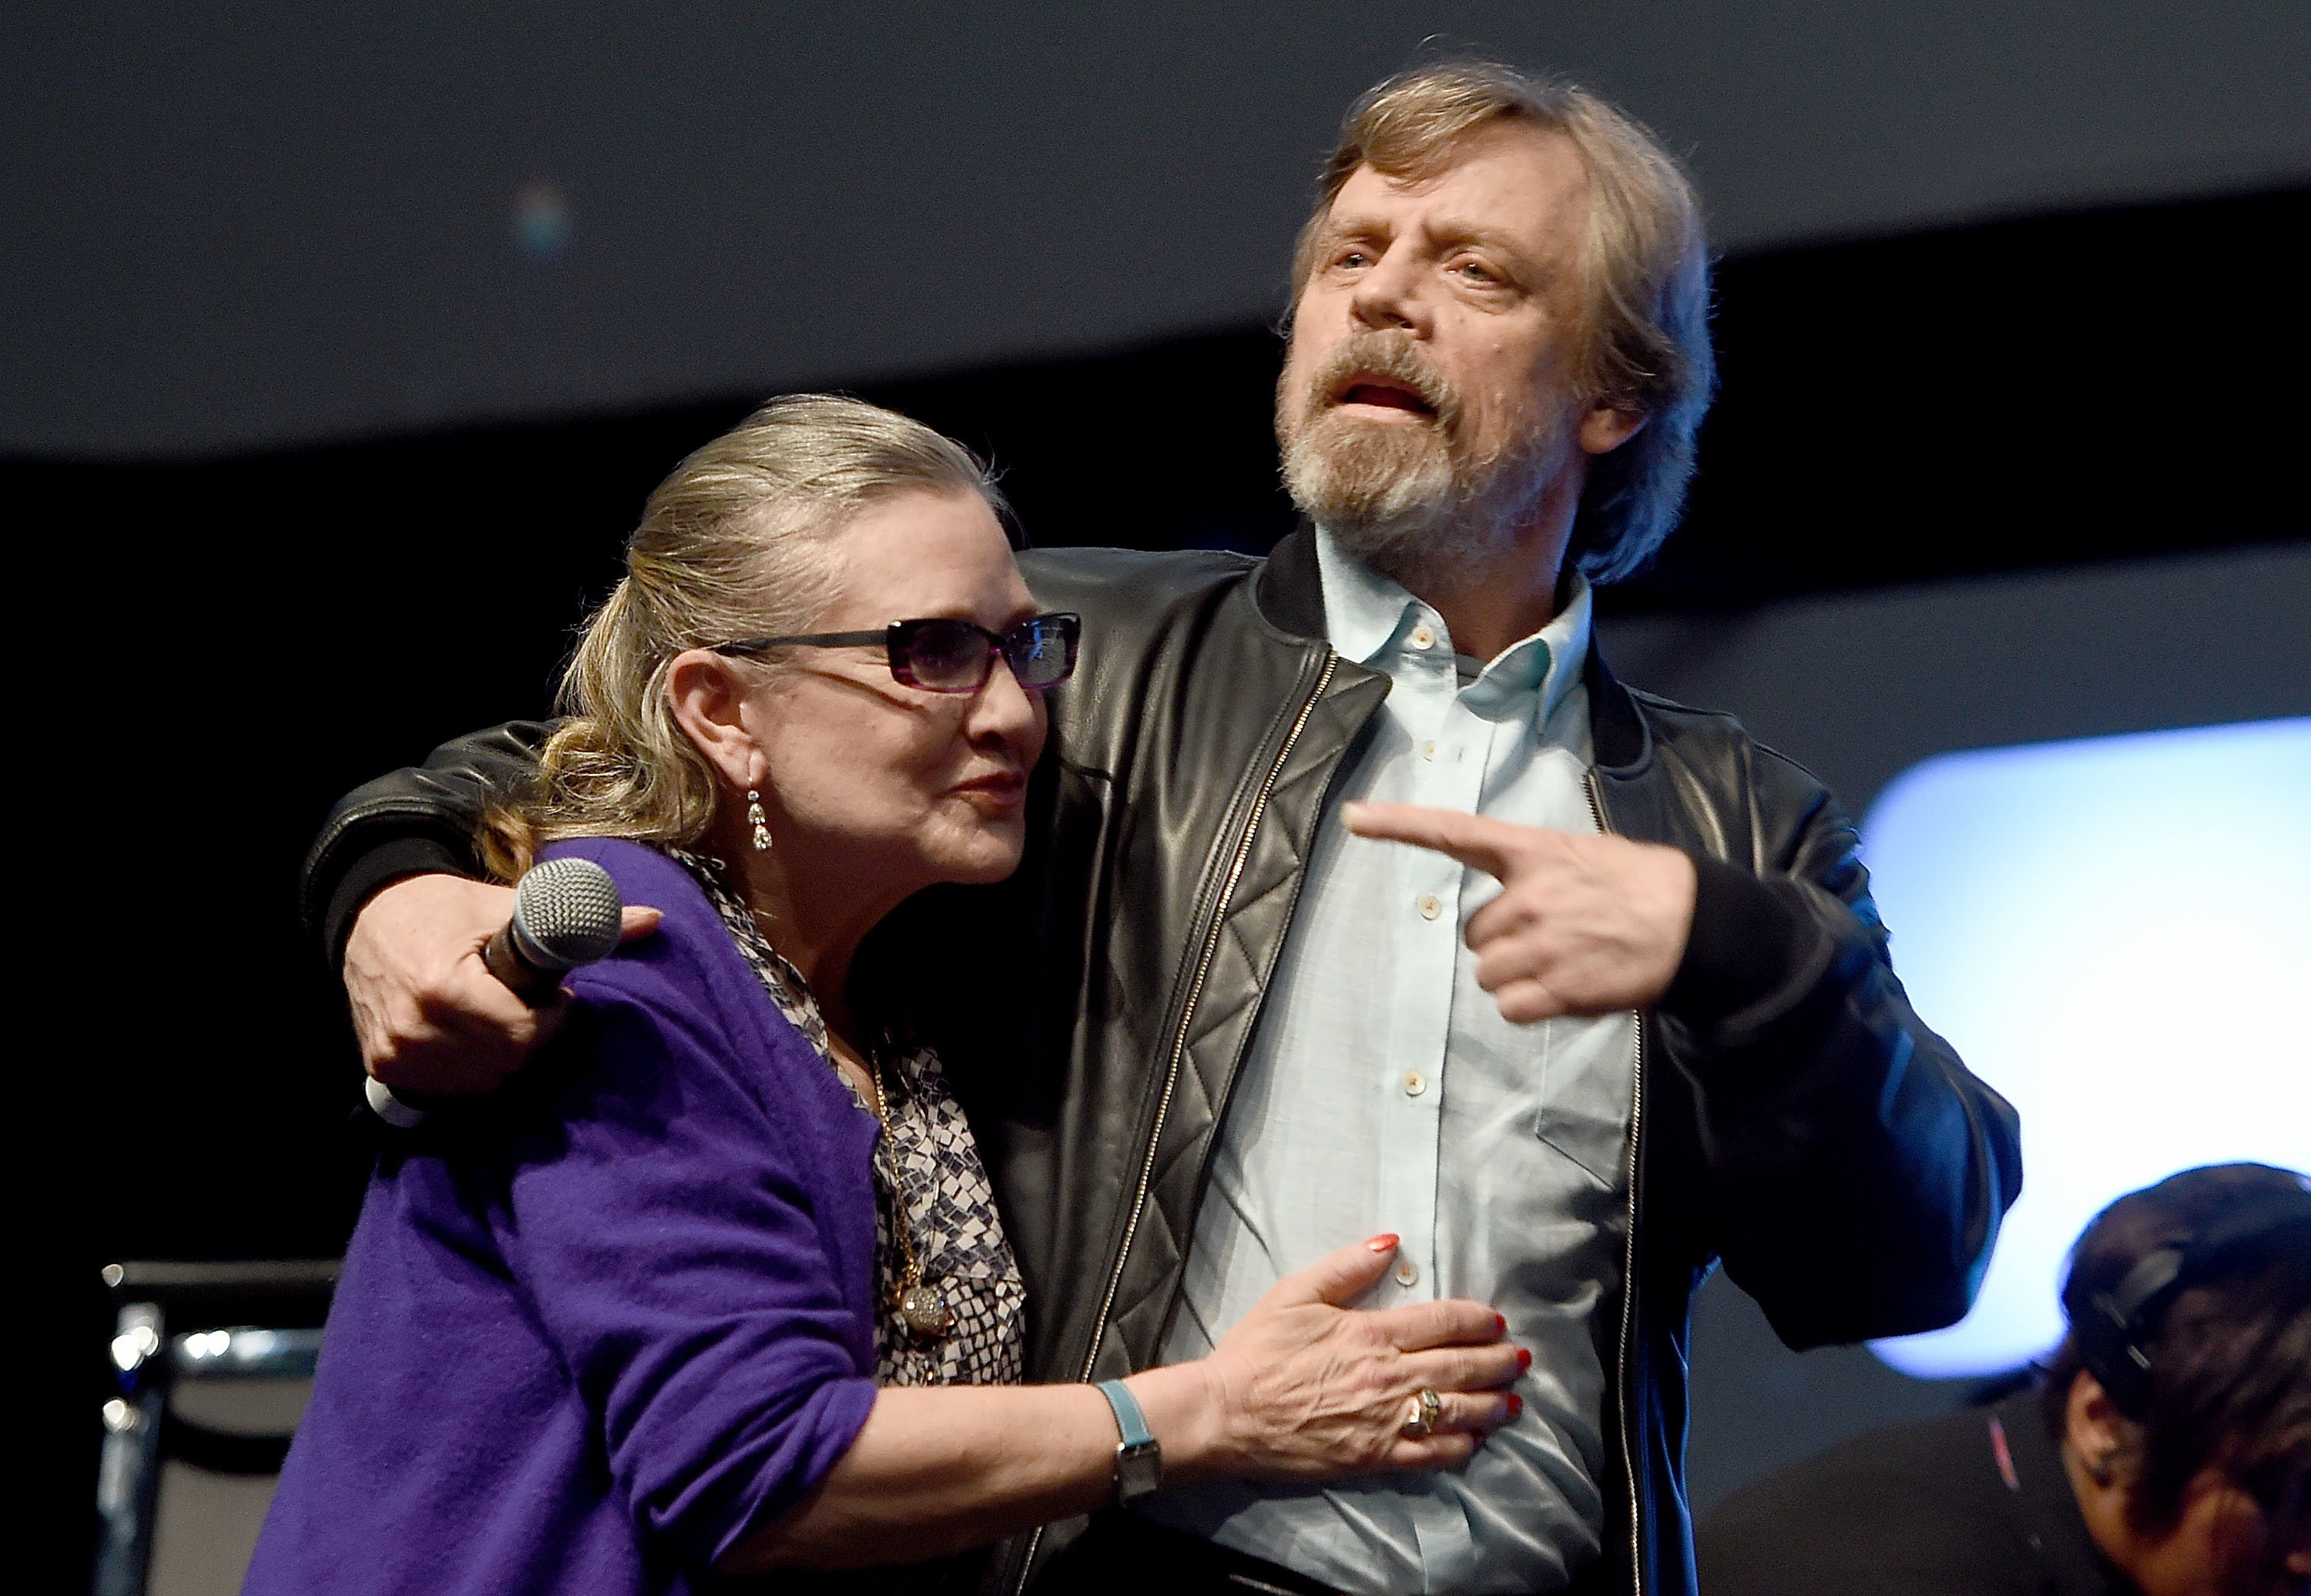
1290, 597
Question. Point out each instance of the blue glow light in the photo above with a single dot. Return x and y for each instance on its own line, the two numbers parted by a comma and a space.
2116, 934
541, 221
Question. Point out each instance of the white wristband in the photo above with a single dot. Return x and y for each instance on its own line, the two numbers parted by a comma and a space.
386, 1106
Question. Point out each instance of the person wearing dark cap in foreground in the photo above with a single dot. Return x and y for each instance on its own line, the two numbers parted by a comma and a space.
2165, 1452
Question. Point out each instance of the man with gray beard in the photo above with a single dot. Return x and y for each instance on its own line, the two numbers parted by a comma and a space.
1622, 1009
1417, 502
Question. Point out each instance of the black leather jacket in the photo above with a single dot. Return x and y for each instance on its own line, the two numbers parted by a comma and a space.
1793, 1117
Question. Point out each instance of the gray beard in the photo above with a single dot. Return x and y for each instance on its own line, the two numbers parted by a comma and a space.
1406, 502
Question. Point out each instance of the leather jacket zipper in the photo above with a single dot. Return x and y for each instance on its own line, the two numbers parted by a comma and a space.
1177, 1052
1629, 1255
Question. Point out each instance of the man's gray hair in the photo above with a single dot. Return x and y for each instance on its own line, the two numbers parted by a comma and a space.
1646, 338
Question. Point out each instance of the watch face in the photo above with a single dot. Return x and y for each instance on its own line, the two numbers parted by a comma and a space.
1139, 1471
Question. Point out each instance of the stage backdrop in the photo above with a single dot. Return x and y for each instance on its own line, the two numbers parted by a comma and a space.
1860, 687
224, 227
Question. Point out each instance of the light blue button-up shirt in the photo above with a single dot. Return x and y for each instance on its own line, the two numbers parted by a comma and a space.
1383, 1091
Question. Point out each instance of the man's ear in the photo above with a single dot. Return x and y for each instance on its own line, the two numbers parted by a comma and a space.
2091, 1422
1605, 429
707, 693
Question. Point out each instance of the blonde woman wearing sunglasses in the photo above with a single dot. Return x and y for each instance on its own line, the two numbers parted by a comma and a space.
718, 1285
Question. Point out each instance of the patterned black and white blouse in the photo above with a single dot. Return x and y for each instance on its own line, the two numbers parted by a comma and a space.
929, 1164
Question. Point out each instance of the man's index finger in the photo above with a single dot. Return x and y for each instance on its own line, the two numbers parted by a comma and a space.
1474, 840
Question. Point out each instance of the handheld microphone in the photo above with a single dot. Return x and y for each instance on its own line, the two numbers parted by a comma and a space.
565, 914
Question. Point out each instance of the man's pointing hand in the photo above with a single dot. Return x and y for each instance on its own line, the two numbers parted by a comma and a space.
1585, 925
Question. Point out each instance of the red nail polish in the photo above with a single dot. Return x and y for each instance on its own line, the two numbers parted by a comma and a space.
1383, 1244
1516, 1405
1524, 1359
1500, 1324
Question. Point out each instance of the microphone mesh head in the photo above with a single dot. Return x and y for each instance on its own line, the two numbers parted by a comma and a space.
566, 909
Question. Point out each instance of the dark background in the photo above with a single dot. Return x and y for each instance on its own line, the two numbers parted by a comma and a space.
2012, 334
256, 222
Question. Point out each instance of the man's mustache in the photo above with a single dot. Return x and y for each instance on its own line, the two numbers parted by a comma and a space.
1389, 359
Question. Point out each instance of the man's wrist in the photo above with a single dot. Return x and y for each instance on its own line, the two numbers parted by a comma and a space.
1748, 940
374, 870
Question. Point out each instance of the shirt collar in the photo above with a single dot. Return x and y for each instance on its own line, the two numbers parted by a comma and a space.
1366, 616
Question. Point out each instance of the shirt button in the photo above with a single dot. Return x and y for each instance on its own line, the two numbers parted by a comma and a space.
1428, 750
1422, 637
1408, 1273
1415, 1083
1429, 907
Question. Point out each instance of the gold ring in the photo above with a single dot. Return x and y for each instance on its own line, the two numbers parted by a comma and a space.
1415, 1421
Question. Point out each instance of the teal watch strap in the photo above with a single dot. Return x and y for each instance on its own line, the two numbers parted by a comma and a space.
1138, 1460
1129, 1422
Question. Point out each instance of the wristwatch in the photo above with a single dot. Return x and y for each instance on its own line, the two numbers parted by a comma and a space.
1138, 1460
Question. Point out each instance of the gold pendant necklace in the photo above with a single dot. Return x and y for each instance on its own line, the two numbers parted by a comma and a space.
921, 1309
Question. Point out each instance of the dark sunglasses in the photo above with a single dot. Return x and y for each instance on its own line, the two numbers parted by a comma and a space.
945, 655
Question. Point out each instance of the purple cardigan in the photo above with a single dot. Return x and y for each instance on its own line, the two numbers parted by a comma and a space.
589, 1334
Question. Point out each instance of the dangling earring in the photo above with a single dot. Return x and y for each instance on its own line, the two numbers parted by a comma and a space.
754, 819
